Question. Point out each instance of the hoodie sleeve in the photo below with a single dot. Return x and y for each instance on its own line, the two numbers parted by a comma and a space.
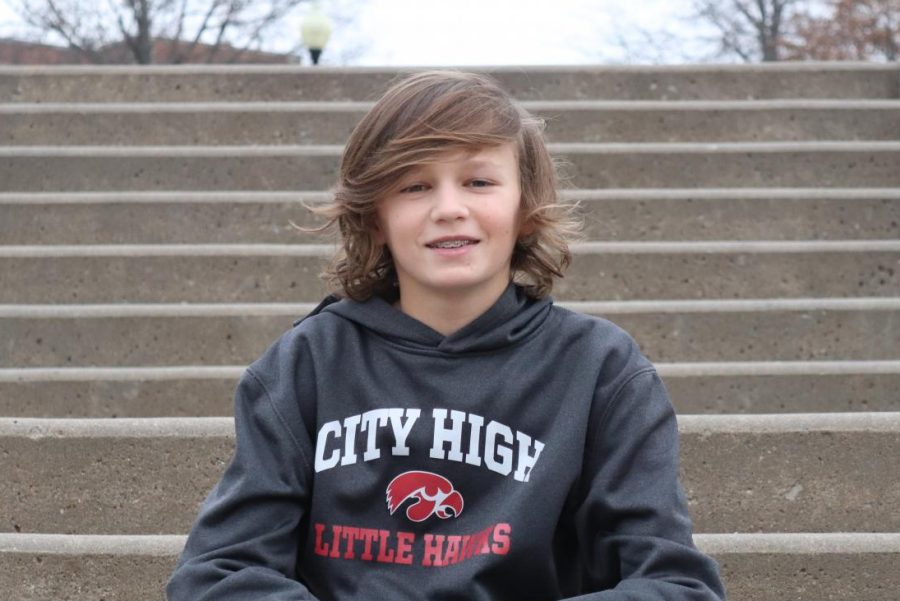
244, 543
632, 520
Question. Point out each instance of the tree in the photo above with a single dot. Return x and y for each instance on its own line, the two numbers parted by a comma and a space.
855, 30
750, 29
180, 30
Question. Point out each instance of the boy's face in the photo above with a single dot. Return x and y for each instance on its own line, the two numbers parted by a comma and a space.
451, 225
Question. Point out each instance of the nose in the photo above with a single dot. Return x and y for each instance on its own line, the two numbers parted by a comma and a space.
449, 204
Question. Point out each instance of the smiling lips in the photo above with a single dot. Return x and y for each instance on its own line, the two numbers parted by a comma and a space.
451, 243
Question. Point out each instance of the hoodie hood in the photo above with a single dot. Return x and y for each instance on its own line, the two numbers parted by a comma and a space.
512, 318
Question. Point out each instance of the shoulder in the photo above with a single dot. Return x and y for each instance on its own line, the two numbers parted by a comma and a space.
297, 348
605, 350
606, 341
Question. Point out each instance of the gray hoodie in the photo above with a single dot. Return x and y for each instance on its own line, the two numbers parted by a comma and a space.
533, 454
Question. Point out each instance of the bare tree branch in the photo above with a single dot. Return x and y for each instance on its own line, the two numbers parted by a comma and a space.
749, 29
204, 30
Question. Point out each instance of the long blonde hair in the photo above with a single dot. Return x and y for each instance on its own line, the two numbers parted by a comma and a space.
418, 120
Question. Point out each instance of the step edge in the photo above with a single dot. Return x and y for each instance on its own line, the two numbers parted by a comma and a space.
325, 250
37, 428
299, 309
344, 106
824, 67
568, 195
713, 543
665, 369
335, 150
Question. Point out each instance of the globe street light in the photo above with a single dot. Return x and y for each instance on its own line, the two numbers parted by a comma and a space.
315, 29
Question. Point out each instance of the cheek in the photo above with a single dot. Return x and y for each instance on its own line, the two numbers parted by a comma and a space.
399, 227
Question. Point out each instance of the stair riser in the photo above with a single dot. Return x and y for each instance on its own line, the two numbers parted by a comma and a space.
291, 84
103, 398
614, 169
238, 340
40, 577
208, 127
832, 576
735, 482
747, 576
792, 482
623, 219
213, 397
619, 276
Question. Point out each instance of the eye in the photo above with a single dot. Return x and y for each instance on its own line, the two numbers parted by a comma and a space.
480, 183
412, 189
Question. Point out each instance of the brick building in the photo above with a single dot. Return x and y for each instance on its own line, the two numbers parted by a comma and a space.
21, 52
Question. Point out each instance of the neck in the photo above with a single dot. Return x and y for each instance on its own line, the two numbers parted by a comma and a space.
447, 313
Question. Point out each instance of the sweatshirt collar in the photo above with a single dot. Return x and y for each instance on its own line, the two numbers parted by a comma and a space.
512, 318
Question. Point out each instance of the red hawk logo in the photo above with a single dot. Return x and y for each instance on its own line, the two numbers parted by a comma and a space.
432, 495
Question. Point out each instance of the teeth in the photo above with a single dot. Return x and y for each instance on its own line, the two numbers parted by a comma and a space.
452, 243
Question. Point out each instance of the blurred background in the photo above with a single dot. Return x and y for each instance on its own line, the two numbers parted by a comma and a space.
448, 32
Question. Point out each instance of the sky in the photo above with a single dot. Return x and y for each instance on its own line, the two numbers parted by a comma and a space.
535, 32
496, 32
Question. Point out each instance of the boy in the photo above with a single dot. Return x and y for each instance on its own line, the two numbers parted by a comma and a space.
438, 428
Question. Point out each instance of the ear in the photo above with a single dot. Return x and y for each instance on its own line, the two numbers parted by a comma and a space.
526, 228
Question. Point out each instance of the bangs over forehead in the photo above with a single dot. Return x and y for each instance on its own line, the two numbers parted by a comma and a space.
422, 120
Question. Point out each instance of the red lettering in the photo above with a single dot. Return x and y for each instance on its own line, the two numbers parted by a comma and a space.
404, 547
350, 534
453, 547
480, 541
434, 546
368, 535
501, 539
385, 553
321, 547
336, 542
467, 548
471, 545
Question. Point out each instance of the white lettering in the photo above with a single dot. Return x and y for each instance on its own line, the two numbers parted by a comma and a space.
371, 420
493, 449
473, 457
401, 430
526, 462
443, 435
333, 428
350, 425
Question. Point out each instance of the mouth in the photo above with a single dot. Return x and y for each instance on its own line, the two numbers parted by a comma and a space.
452, 243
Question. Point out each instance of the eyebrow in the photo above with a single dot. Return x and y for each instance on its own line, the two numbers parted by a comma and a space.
481, 163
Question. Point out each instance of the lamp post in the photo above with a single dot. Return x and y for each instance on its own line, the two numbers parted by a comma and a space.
315, 29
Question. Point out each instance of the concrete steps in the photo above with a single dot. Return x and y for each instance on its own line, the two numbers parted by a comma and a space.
622, 165
839, 567
742, 224
749, 473
600, 271
729, 387
272, 123
235, 334
187, 83
610, 215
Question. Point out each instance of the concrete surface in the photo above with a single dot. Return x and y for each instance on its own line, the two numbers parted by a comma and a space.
197, 83
155, 124
600, 271
610, 215
676, 165
88, 335
745, 473
810, 567
725, 388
